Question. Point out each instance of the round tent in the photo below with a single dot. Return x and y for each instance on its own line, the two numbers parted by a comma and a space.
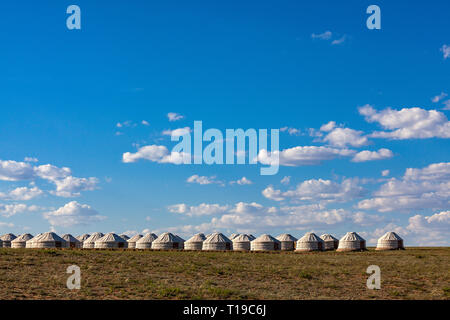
241, 242
146, 241
265, 242
71, 241
217, 241
351, 242
89, 243
110, 240
309, 242
83, 237
329, 242
287, 241
166, 241
49, 240
30, 243
232, 236
132, 241
124, 236
390, 241
6, 240
195, 242
20, 241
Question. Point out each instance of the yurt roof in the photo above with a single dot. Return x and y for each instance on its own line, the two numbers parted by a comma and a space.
180, 239
286, 237
328, 237
111, 237
167, 237
310, 237
94, 237
233, 235
23, 237
242, 238
216, 238
252, 237
351, 236
49, 236
124, 236
199, 237
266, 238
149, 237
8, 237
83, 237
70, 238
135, 238
391, 236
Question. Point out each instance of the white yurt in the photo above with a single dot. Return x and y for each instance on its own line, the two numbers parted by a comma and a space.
30, 243
146, 241
241, 242
83, 237
89, 243
390, 241
287, 242
329, 242
124, 236
195, 242
217, 241
49, 240
351, 242
180, 241
166, 241
6, 240
132, 241
20, 241
110, 240
232, 236
309, 242
71, 241
265, 242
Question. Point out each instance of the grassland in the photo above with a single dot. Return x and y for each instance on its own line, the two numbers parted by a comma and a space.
416, 273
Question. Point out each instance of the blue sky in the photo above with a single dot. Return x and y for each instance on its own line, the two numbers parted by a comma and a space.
77, 99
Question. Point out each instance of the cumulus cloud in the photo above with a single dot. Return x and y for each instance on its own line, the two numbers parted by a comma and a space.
21, 193
15, 171
9, 210
343, 137
446, 51
323, 36
385, 173
72, 186
177, 132
202, 209
291, 131
286, 180
31, 159
339, 41
439, 97
408, 123
156, 153
242, 181
173, 116
425, 188
73, 214
271, 193
367, 155
303, 155
203, 180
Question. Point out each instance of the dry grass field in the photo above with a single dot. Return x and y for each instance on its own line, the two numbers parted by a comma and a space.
416, 273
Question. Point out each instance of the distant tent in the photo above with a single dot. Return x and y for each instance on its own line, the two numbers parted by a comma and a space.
265, 242
89, 243
110, 240
30, 243
390, 241
287, 241
49, 240
195, 242
6, 240
309, 242
166, 241
351, 242
180, 241
232, 236
329, 242
132, 241
217, 241
146, 241
71, 241
20, 241
241, 242
124, 236
83, 237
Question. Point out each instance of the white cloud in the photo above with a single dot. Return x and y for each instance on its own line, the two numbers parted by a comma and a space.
367, 155
72, 186
31, 159
202, 179
22, 193
343, 137
73, 214
446, 105
145, 123
126, 124
408, 123
323, 36
242, 181
303, 155
328, 126
339, 41
52, 173
15, 171
272, 194
426, 188
155, 153
202, 209
9, 210
446, 51
177, 132
291, 131
173, 116
286, 180
6, 224
385, 173
439, 97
